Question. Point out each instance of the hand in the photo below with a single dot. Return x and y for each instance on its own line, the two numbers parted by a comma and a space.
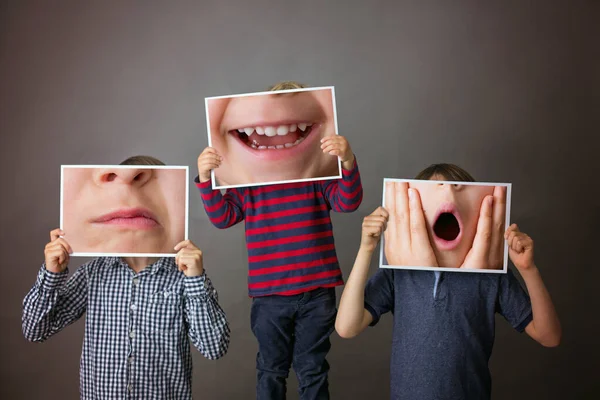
189, 258
520, 248
338, 146
208, 160
373, 227
488, 245
406, 239
57, 252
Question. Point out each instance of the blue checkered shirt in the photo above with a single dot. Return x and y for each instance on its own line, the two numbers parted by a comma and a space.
137, 325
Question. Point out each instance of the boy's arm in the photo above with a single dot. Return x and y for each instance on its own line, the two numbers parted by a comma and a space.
356, 312
545, 326
222, 210
352, 317
53, 303
208, 328
344, 195
541, 321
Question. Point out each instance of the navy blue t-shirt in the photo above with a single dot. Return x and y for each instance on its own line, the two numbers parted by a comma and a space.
444, 328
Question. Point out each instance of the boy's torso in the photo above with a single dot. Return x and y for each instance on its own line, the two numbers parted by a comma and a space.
135, 337
290, 241
442, 344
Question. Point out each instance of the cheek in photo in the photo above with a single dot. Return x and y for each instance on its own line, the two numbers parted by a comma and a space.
111, 210
272, 137
460, 225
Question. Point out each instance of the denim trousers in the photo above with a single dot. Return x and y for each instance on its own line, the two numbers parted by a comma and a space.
293, 331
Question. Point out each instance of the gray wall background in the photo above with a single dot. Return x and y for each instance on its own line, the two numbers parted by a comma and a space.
506, 89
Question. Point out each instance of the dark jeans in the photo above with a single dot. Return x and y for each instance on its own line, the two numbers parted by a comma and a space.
293, 331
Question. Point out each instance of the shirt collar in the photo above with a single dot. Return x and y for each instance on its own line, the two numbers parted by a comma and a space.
165, 263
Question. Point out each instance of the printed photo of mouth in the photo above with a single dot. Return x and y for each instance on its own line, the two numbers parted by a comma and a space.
447, 227
461, 231
272, 137
129, 218
124, 210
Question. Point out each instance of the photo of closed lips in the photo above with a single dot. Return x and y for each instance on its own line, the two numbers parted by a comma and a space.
272, 137
115, 209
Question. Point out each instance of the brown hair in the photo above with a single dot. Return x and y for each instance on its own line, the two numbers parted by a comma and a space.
450, 172
287, 85
142, 160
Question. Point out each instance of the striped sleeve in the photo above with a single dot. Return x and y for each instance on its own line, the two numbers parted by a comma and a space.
344, 195
222, 210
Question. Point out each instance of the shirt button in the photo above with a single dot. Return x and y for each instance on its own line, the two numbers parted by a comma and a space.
133, 307
130, 359
130, 387
132, 334
136, 281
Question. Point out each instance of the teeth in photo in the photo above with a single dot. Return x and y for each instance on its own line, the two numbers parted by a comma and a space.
270, 131
271, 147
260, 130
262, 147
280, 146
282, 130
293, 127
302, 126
248, 131
288, 145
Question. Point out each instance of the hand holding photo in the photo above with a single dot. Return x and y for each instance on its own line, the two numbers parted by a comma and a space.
443, 225
117, 210
274, 137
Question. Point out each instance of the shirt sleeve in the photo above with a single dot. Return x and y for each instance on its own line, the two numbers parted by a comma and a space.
344, 195
513, 302
222, 210
53, 303
208, 328
379, 294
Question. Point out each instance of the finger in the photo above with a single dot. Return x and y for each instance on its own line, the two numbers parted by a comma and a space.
482, 241
332, 139
210, 150
65, 245
55, 234
390, 201
403, 212
418, 229
498, 222
381, 211
510, 239
511, 228
210, 156
184, 244
374, 231
327, 147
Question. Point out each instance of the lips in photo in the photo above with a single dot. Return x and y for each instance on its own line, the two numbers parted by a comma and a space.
131, 218
447, 228
272, 137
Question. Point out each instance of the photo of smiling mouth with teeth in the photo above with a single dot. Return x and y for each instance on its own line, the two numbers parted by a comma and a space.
279, 137
271, 137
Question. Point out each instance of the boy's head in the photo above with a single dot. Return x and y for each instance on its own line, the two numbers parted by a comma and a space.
445, 172
286, 85
451, 210
142, 160
122, 209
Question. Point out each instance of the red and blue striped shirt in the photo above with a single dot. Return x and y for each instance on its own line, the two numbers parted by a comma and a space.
289, 234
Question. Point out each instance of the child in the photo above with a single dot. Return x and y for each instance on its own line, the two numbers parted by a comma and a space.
140, 314
443, 321
293, 267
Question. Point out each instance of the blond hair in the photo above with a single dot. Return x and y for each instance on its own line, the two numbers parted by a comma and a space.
287, 85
